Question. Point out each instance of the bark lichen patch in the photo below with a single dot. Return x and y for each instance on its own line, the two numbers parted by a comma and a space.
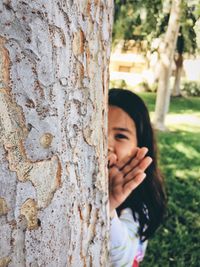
46, 140
17, 161
45, 175
4, 261
78, 43
80, 72
3, 207
4, 64
29, 210
12, 120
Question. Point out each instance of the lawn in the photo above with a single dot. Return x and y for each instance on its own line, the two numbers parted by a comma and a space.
177, 241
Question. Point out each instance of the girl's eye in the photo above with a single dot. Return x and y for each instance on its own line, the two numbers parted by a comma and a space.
121, 136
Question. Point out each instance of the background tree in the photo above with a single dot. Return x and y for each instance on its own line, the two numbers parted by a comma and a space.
184, 39
167, 50
54, 58
186, 42
147, 20
178, 58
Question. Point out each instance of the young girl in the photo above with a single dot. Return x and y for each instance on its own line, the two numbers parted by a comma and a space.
136, 194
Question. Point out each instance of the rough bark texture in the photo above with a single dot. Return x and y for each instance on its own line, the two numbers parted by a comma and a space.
54, 58
167, 51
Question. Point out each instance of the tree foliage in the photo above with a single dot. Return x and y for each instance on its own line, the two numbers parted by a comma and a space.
146, 20
131, 17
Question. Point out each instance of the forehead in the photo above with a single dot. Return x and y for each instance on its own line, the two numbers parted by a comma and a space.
118, 118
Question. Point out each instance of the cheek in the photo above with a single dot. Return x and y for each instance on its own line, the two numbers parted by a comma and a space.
124, 150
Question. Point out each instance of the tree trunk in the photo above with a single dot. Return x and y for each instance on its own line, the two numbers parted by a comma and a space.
177, 82
167, 51
54, 58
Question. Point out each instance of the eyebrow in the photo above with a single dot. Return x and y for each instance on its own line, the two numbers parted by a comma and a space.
122, 129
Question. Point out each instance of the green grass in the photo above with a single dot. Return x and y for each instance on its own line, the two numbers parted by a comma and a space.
177, 241
178, 105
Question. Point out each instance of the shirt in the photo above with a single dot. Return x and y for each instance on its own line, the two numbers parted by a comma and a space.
126, 248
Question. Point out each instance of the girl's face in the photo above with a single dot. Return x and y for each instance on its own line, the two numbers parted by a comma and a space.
122, 138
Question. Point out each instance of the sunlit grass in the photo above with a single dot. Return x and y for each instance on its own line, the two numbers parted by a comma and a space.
182, 122
189, 152
178, 105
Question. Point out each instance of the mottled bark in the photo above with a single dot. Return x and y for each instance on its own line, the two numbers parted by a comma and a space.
167, 50
54, 58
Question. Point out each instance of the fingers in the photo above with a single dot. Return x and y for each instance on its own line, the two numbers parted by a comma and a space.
139, 169
127, 159
135, 160
125, 176
144, 164
113, 171
120, 187
116, 177
133, 183
141, 153
136, 165
136, 156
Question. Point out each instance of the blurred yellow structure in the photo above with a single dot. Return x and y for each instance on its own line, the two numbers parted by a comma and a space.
135, 68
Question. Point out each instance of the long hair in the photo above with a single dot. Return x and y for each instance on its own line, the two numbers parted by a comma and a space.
148, 200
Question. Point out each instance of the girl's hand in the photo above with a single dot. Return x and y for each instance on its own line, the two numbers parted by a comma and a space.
125, 176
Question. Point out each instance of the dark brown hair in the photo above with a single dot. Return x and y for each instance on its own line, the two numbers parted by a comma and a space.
148, 200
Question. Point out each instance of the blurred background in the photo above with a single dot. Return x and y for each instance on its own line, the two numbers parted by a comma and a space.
159, 58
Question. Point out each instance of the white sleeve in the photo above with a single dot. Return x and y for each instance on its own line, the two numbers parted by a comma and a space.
124, 239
